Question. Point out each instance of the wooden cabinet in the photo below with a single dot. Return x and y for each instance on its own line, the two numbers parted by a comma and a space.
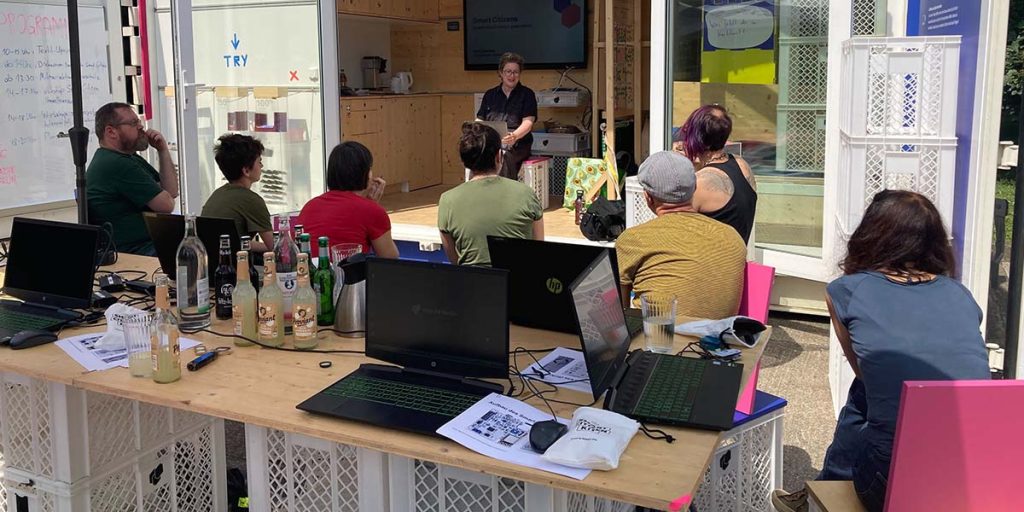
417, 10
403, 133
449, 8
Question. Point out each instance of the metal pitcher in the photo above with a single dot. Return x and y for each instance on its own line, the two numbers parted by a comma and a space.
350, 297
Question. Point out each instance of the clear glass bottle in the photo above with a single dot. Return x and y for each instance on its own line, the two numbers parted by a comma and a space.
271, 305
299, 230
193, 281
224, 279
323, 285
285, 257
304, 307
164, 336
254, 276
306, 248
243, 303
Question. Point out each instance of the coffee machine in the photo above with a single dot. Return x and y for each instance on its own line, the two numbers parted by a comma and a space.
373, 72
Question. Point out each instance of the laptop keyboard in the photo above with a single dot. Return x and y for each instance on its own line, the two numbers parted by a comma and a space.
399, 394
20, 321
671, 389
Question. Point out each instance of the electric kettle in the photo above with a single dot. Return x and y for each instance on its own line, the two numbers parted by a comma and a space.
350, 296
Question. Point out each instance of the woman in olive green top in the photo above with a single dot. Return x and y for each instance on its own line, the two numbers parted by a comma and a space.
487, 204
240, 158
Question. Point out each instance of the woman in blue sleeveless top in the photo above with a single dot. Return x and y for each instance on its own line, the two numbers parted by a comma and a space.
899, 315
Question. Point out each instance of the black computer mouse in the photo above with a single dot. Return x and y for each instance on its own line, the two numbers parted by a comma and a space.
32, 338
543, 434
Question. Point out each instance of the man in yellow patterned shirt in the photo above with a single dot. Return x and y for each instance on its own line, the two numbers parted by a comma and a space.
681, 252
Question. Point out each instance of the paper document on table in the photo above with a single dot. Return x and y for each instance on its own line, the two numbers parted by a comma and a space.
83, 350
499, 426
562, 367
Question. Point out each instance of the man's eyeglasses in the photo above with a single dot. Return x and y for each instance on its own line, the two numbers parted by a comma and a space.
135, 123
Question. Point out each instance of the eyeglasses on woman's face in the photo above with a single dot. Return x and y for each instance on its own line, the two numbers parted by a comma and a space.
511, 72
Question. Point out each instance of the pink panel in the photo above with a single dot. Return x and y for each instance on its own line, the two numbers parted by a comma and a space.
959, 447
757, 291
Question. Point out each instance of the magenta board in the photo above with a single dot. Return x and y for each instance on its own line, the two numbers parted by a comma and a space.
959, 447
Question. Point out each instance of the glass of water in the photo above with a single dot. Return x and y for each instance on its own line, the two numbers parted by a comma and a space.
659, 311
138, 344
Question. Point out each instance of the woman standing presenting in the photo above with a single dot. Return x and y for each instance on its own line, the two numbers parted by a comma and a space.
516, 105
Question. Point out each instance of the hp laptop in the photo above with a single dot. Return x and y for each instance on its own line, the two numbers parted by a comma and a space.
539, 277
167, 230
648, 387
50, 268
443, 324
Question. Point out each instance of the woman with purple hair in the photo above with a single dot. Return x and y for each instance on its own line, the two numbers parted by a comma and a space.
725, 183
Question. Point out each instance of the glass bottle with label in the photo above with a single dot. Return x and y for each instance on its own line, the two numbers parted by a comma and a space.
270, 311
164, 336
323, 285
305, 248
299, 230
243, 303
193, 281
286, 256
304, 307
580, 206
224, 279
254, 277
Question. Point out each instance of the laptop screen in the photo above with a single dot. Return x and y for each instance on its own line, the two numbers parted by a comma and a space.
438, 317
167, 230
601, 322
52, 263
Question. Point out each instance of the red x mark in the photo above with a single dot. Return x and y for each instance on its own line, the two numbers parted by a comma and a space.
295, 76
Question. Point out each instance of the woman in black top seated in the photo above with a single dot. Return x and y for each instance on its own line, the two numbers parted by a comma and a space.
516, 105
726, 190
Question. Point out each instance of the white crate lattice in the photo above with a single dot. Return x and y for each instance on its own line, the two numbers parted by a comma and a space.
637, 211
185, 475
535, 175
910, 86
868, 17
803, 18
803, 71
801, 139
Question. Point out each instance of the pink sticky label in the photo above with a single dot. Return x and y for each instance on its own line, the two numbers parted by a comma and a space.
680, 502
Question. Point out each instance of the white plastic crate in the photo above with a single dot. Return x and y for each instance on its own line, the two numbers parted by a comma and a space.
185, 474
803, 71
637, 211
903, 86
801, 134
421, 486
869, 165
745, 469
63, 434
296, 473
803, 18
535, 174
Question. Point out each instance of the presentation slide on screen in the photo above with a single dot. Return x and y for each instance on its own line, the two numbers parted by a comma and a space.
544, 32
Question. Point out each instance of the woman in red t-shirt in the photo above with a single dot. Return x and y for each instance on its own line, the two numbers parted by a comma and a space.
348, 211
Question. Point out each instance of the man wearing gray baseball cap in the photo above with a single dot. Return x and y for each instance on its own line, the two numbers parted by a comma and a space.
681, 252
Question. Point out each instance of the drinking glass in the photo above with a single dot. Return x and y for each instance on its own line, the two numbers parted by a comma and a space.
341, 251
138, 345
659, 312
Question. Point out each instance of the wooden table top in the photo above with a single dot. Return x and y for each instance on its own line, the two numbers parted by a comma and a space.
263, 386
835, 496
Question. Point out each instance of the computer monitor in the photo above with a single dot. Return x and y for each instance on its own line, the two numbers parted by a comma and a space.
52, 263
167, 229
601, 323
539, 276
437, 317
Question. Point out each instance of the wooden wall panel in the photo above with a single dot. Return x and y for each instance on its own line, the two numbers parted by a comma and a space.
751, 106
454, 110
449, 8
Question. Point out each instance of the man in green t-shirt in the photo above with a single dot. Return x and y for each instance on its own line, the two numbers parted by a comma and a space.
241, 162
120, 184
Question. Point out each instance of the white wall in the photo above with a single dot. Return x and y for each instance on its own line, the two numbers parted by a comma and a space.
358, 38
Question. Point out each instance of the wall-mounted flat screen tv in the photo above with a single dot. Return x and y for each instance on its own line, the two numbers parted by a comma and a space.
549, 34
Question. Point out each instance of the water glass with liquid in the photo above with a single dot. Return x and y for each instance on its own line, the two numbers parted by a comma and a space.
137, 342
659, 313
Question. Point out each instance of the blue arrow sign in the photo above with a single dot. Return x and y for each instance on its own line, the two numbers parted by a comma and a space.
235, 41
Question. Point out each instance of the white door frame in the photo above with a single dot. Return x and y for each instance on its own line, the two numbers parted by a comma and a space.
186, 115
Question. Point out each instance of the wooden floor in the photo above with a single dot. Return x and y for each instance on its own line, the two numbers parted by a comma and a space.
420, 208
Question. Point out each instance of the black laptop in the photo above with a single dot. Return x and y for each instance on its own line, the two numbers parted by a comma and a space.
50, 268
167, 230
539, 276
444, 324
648, 387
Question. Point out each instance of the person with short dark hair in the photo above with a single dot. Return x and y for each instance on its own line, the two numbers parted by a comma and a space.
726, 190
349, 211
680, 252
121, 185
899, 316
514, 104
487, 204
240, 159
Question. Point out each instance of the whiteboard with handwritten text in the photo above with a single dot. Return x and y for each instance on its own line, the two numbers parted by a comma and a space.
35, 98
